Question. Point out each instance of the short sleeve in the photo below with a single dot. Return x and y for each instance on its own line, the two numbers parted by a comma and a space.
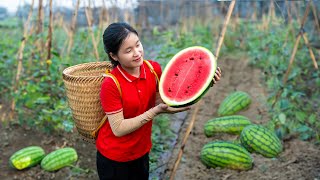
110, 97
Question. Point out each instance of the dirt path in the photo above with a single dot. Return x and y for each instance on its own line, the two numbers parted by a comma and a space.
300, 160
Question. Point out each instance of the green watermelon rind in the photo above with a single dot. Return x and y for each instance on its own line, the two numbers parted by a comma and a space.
234, 103
232, 124
26, 157
201, 92
225, 154
258, 139
59, 158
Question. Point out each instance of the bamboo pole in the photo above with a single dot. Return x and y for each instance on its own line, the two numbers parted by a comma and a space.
89, 20
296, 44
295, 10
40, 18
306, 41
188, 131
73, 27
49, 38
184, 141
20, 57
314, 11
221, 36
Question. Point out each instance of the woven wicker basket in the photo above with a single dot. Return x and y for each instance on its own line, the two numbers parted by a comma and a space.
83, 83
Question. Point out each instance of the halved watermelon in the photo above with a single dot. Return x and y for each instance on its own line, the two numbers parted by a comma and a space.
187, 76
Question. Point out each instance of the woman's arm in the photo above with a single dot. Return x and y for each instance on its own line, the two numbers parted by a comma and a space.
121, 126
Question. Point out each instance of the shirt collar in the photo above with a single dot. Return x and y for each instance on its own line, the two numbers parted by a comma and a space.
131, 78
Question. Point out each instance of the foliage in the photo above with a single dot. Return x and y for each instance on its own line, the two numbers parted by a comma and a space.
162, 139
173, 42
296, 111
297, 108
40, 98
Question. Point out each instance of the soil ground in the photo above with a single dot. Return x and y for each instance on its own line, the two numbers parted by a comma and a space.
300, 160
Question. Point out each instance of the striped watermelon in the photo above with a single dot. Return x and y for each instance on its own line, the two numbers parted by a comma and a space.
228, 124
233, 103
256, 138
59, 158
226, 155
27, 157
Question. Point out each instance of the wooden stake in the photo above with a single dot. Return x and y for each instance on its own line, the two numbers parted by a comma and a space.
40, 18
221, 36
314, 11
49, 39
73, 27
20, 57
310, 50
89, 20
184, 141
296, 44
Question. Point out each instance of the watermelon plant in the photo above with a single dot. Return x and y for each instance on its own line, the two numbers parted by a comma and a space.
187, 76
226, 155
26, 157
232, 124
59, 158
234, 102
256, 138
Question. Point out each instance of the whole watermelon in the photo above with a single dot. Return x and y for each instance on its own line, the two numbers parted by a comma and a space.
59, 158
234, 103
226, 155
228, 124
26, 157
256, 138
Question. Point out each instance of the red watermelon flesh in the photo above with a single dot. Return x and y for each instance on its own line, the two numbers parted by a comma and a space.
187, 75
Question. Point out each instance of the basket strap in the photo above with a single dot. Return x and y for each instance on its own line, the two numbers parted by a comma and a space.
94, 133
152, 70
115, 81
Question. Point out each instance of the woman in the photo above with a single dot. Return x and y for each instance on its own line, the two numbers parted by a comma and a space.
124, 141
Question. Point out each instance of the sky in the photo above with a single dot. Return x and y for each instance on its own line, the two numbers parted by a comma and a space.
12, 5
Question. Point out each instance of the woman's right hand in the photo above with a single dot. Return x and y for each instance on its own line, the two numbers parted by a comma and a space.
164, 108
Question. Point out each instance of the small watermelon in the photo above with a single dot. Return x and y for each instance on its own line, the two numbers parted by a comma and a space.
256, 138
27, 157
226, 155
234, 103
187, 76
228, 124
59, 158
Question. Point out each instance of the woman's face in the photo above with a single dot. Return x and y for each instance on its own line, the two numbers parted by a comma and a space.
130, 54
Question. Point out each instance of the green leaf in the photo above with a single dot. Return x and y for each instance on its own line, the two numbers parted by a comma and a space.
284, 104
303, 129
282, 118
301, 116
312, 119
305, 136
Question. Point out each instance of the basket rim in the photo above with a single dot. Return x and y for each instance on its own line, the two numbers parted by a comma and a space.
66, 71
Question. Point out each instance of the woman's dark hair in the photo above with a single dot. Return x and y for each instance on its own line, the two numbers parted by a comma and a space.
113, 37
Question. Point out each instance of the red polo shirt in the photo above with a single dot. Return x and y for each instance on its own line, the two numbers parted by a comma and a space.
138, 96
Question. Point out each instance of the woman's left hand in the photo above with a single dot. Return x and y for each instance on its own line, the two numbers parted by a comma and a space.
217, 76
